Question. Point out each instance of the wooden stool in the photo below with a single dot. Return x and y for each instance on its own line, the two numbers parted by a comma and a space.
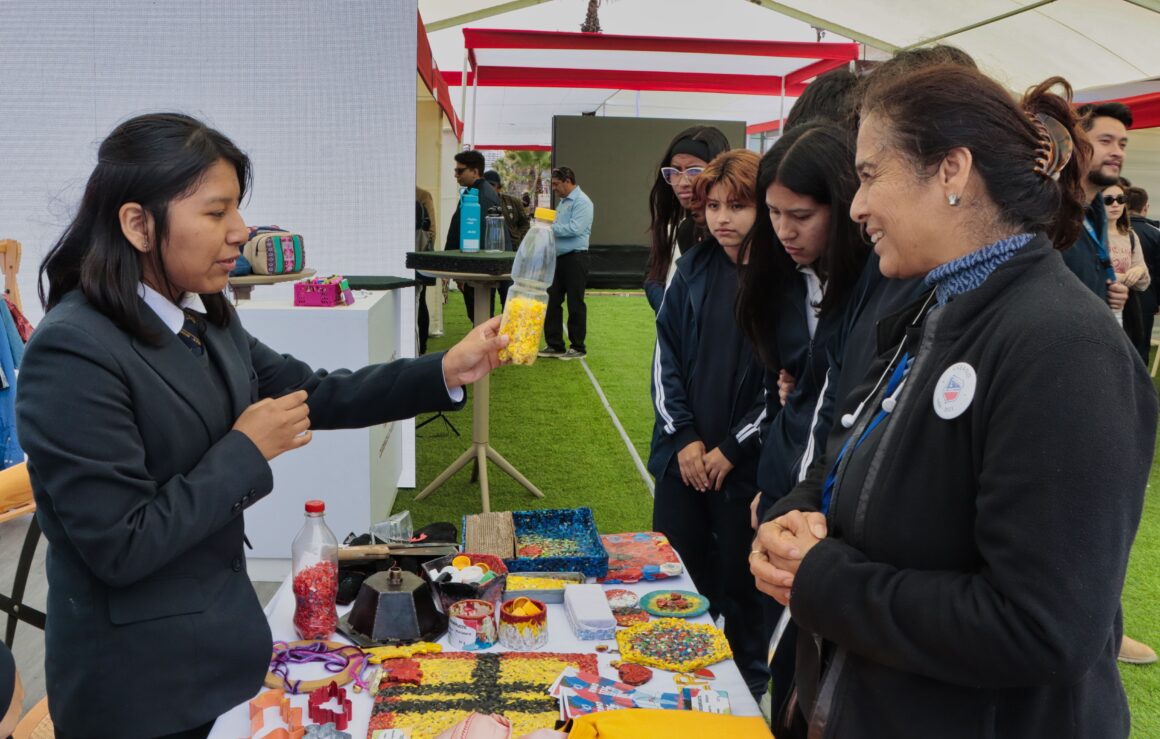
16, 496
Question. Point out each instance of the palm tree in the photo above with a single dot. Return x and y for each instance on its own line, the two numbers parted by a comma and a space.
524, 169
591, 22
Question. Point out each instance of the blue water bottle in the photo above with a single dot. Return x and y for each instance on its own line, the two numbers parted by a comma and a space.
470, 218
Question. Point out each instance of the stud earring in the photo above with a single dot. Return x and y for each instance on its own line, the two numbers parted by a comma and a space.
953, 200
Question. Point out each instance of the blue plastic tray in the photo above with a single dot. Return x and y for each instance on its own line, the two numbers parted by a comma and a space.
576, 524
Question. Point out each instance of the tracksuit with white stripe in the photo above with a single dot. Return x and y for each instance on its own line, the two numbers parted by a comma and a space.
707, 386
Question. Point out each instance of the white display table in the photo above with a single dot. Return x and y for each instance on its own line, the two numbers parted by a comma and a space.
280, 612
355, 471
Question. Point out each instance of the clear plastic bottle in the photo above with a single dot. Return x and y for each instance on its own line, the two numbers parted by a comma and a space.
527, 298
493, 228
315, 563
469, 222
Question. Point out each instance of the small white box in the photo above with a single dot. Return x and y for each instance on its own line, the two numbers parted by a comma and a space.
589, 613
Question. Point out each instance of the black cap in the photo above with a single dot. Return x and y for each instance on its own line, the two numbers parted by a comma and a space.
493, 177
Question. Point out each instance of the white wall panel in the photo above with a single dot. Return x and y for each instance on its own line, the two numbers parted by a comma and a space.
320, 94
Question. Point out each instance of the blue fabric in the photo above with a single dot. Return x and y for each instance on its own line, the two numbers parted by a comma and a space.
573, 223
968, 272
10, 355
14, 341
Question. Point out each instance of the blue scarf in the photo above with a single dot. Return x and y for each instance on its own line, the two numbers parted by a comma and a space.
968, 272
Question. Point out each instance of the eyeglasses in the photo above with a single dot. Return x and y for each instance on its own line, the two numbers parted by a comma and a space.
460, 170
1109, 199
671, 174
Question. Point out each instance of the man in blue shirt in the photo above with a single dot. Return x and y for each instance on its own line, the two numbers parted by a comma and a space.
572, 228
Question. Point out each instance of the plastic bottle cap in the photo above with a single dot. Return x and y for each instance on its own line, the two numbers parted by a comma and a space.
545, 214
315, 506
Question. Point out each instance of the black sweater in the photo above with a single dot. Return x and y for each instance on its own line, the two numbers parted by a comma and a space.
970, 585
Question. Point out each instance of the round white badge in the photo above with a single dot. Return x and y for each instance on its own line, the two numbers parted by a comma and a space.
954, 391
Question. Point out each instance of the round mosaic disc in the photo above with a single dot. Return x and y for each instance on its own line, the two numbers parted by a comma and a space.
675, 603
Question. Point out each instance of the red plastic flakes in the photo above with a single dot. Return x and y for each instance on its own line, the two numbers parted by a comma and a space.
634, 674
403, 671
315, 589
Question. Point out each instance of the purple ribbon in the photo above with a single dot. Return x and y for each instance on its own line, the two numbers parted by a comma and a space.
333, 661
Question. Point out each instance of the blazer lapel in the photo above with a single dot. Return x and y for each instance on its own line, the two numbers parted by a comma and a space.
178, 367
224, 353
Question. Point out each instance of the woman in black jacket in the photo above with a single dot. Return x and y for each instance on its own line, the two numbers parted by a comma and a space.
150, 415
804, 260
959, 572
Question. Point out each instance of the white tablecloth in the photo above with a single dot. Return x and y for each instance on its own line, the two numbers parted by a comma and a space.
280, 612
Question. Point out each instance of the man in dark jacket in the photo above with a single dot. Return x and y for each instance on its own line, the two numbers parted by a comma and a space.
469, 166
514, 215
1149, 235
1107, 128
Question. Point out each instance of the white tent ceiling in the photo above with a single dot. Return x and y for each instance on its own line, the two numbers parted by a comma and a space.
523, 116
1020, 42
1090, 42
1106, 48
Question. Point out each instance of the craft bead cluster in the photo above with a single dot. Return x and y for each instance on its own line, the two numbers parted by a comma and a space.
534, 545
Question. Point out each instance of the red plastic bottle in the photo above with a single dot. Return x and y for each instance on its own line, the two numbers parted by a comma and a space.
315, 566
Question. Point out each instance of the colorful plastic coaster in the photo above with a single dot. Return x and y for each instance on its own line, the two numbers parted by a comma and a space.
673, 644
674, 603
644, 555
620, 598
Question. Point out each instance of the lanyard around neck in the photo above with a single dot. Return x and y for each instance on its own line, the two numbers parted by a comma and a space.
1101, 249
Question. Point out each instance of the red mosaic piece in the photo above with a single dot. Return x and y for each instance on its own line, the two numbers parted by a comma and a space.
634, 674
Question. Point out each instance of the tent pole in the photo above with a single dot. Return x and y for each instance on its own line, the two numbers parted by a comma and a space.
474, 104
781, 112
638, 103
979, 24
463, 91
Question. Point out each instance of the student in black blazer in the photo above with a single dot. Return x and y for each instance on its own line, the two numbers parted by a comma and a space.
149, 416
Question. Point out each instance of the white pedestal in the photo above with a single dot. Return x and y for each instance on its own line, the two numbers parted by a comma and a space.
355, 471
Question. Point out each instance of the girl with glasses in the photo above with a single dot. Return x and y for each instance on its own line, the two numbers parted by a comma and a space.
674, 226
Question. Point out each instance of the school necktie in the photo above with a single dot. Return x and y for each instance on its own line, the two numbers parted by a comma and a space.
192, 332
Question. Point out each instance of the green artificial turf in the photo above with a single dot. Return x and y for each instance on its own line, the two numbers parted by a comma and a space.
548, 421
1142, 615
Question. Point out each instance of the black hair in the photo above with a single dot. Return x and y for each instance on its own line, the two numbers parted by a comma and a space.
830, 97
151, 160
929, 112
564, 174
904, 62
1112, 109
472, 159
1137, 199
814, 159
665, 211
